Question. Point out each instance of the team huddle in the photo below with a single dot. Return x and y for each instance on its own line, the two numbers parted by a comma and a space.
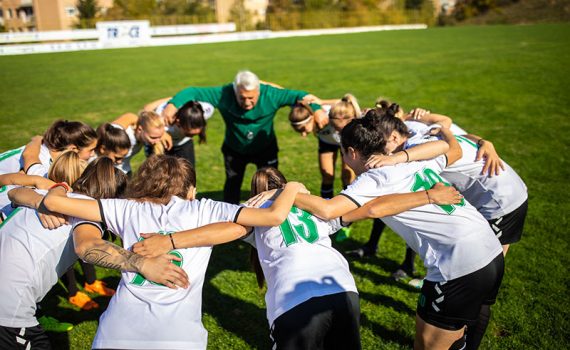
444, 191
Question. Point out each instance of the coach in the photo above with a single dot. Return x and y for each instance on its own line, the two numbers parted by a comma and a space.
248, 108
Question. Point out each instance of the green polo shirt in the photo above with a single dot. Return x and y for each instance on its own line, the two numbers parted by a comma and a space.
247, 132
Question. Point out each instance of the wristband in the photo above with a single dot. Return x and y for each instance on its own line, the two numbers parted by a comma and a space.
172, 240
61, 184
480, 142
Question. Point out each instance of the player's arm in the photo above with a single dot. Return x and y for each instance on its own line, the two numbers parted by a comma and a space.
427, 150
429, 118
126, 120
57, 201
155, 244
394, 204
493, 163
20, 179
454, 153
29, 198
212, 95
151, 106
276, 213
31, 153
91, 248
326, 209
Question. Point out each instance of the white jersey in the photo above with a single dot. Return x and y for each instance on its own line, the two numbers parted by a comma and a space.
493, 196
143, 315
299, 262
178, 137
419, 130
32, 259
135, 148
12, 162
329, 134
452, 240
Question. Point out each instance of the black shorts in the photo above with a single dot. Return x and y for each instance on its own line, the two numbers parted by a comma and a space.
33, 338
327, 322
456, 303
327, 147
509, 228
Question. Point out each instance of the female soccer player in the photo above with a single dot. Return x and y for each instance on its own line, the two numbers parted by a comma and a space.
160, 198
147, 128
311, 297
463, 258
32, 257
112, 142
189, 121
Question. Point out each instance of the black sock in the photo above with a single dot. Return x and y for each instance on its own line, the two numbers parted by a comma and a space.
70, 282
408, 264
326, 190
375, 234
475, 333
88, 272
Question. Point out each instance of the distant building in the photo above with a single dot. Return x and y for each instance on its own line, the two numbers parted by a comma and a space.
41, 15
257, 8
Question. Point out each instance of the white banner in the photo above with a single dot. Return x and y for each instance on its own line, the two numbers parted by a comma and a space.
123, 33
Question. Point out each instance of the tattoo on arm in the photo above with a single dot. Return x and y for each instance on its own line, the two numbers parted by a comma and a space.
109, 255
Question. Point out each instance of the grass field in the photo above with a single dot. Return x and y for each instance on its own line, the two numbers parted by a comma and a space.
509, 84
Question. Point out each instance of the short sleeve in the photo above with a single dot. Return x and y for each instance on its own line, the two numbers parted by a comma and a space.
75, 222
365, 188
38, 169
208, 109
250, 238
213, 211
115, 214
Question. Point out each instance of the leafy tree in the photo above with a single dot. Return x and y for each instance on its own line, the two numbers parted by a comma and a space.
87, 9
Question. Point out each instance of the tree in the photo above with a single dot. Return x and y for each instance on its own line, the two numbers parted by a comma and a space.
87, 10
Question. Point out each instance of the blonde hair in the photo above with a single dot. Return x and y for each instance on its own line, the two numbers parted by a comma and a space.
346, 108
150, 119
67, 167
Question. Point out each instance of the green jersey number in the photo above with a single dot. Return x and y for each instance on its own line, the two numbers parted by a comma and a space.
463, 139
425, 180
139, 279
307, 229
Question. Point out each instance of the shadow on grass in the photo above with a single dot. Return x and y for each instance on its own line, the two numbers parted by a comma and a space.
386, 334
50, 306
227, 309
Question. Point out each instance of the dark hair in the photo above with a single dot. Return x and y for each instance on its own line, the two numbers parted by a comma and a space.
101, 179
63, 133
300, 111
160, 177
369, 135
264, 179
112, 138
384, 106
191, 116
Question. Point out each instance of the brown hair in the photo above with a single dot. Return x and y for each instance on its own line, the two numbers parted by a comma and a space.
63, 133
67, 167
160, 177
101, 180
191, 116
148, 119
112, 138
264, 179
300, 114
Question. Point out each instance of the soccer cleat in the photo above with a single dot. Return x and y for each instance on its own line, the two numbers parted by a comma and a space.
83, 301
342, 234
416, 283
50, 324
99, 287
401, 275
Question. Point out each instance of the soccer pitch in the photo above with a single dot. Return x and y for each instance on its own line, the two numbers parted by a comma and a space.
508, 84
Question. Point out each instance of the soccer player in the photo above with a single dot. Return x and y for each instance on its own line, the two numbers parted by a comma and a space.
160, 198
248, 108
33, 257
463, 258
189, 121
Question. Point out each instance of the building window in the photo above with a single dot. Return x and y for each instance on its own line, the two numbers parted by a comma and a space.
71, 11
10, 13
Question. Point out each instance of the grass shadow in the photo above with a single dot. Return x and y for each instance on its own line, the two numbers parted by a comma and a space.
386, 334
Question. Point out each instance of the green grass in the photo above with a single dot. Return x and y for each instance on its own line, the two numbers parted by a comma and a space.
508, 84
